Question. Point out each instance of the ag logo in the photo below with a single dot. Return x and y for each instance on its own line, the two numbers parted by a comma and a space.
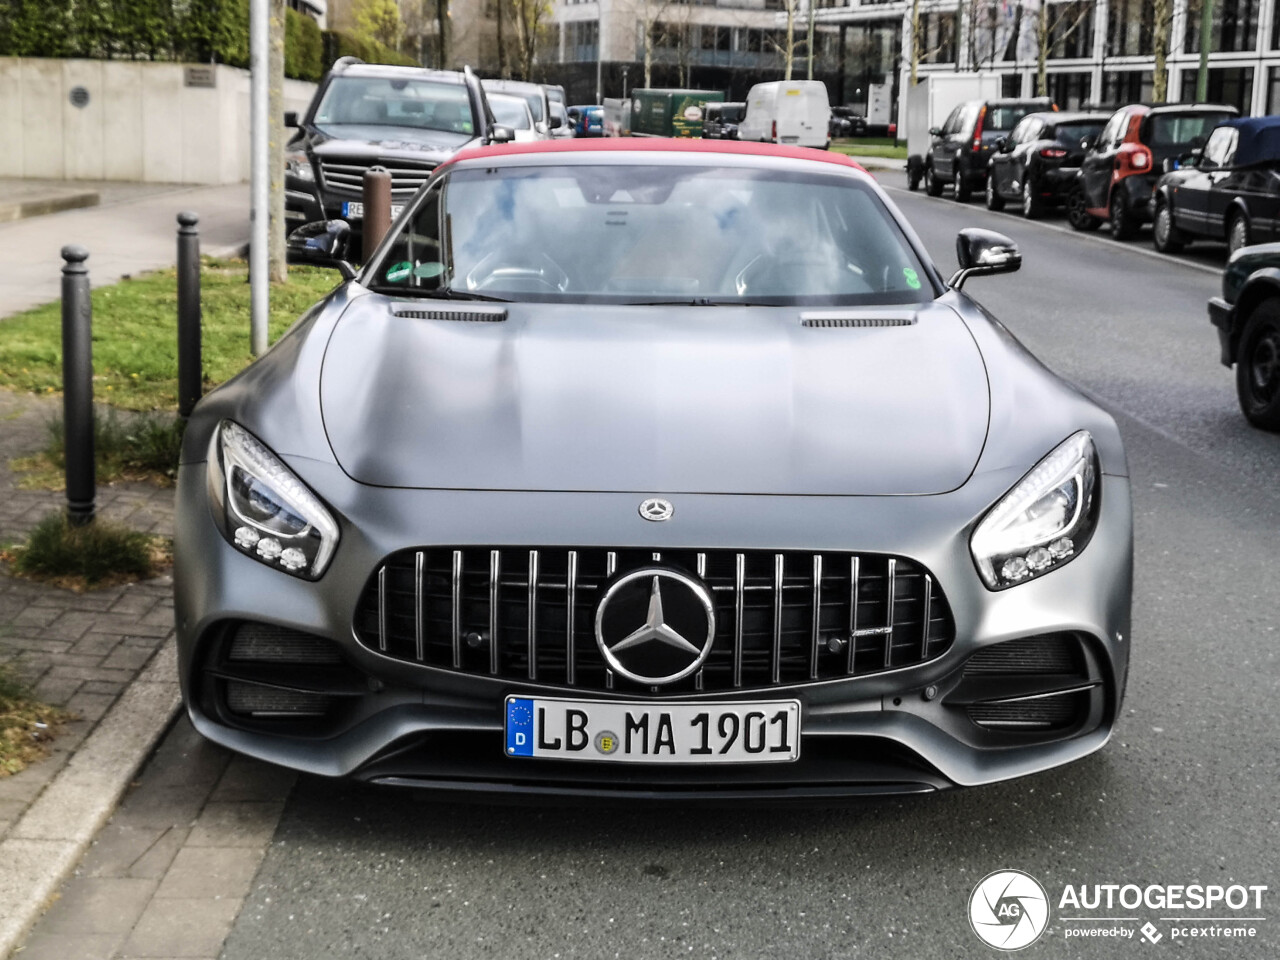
1008, 910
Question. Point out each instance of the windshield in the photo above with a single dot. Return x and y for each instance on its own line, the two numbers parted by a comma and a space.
653, 234
510, 112
424, 104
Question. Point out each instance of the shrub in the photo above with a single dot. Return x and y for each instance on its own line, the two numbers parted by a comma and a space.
303, 48
91, 552
148, 443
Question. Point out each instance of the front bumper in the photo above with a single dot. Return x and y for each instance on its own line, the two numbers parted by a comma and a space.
1138, 195
880, 733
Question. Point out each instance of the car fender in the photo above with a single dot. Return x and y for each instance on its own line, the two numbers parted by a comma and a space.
1237, 206
1262, 285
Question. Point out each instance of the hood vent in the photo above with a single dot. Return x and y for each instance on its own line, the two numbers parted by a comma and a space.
472, 314
845, 318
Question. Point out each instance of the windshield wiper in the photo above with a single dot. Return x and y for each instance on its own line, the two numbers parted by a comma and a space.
697, 302
447, 294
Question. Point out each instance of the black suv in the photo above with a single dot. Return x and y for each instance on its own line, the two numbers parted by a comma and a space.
720, 120
962, 146
406, 119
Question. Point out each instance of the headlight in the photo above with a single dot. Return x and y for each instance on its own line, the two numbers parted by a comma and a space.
298, 165
1044, 521
264, 509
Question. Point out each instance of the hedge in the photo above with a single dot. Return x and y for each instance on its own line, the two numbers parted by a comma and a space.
189, 31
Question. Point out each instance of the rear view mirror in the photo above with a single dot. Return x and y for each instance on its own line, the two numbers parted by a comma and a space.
555, 121
1002, 144
500, 134
322, 243
1087, 143
935, 131
984, 252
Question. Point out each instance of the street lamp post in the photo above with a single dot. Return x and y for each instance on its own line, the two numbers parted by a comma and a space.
259, 175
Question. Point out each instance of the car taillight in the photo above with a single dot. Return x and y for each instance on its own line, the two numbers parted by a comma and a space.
774, 132
1053, 153
1141, 159
977, 129
1132, 158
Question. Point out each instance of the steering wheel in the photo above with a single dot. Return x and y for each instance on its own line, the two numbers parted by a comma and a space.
536, 272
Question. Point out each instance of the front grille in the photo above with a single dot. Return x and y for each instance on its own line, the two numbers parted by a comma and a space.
1052, 654
347, 179
259, 700
268, 643
781, 618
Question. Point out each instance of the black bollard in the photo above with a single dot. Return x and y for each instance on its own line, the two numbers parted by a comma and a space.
190, 372
77, 385
377, 208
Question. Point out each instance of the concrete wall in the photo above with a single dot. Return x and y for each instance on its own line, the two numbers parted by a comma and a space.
141, 123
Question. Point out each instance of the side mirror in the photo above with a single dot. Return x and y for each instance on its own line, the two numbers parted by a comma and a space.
291, 118
556, 123
1002, 144
322, 243
1088, 143
984, 252
935, 131
500, 134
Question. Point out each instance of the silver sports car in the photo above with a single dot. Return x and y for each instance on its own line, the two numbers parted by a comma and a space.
654, 469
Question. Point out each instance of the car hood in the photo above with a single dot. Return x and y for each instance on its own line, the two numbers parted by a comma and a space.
373, 141
661, 399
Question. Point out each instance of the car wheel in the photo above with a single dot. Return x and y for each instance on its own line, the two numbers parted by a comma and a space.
960, 185
932, 185
1258, 367
1078, 214
1238, 234
994, 200
1032, 205
1167, 237
1123, 226
913, 178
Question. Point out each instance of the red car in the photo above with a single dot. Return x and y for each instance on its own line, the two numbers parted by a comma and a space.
1126, 159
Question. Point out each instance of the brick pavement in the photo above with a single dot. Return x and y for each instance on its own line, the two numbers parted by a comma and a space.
80, 651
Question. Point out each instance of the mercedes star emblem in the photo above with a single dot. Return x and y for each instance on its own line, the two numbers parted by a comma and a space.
656, 509
655, 625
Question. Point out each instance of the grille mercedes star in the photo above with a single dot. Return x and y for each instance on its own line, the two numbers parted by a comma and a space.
528, 614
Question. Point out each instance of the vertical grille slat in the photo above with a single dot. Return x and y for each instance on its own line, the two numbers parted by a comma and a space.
782, 617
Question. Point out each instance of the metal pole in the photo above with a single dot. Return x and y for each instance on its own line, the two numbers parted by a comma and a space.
77, 385
1206, 35
599, 64
811, 39
260, 176
190, 374
376, 190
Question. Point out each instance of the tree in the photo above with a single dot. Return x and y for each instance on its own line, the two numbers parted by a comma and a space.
380, 20
1161, 28
1055, 24
531, 19
647, 13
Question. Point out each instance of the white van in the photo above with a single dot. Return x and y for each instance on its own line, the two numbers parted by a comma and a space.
788, 111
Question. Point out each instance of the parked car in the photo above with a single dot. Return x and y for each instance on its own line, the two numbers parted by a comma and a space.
1123, 163
587, 120
406, 119
961, 147
846, 122
788, 111
1036, 165
544, 121
720, 120
1247, 316
513, 112
1229, 191
406, 550
556, 103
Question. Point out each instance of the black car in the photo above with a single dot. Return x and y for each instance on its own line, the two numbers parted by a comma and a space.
405, 119
1122, 165
1037, 165
846, 123
1229, 191
1247, 316
962, 146
720, 120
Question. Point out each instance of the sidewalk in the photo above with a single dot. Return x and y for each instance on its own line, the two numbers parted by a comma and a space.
107, 655
134, 228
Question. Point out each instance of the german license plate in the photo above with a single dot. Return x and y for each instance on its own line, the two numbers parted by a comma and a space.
353, 208
763, 731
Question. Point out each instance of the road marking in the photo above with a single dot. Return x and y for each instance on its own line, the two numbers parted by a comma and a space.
1078, 234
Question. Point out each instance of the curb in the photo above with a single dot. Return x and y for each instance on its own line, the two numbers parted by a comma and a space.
45, 845
42, 205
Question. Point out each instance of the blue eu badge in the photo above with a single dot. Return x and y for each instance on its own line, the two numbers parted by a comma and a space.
519, 728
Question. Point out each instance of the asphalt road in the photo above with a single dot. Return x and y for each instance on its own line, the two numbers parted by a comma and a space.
1185, 793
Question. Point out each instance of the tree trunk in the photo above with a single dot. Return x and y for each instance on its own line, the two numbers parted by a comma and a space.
1162, 21
915, 42
277, 269
790, 51
1043, 30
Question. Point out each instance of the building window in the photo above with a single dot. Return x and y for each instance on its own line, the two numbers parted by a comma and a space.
1229, 85
1129, 28
1068, 90
581, 40
1235, 26
1273, 91
1127, 86
938, 38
